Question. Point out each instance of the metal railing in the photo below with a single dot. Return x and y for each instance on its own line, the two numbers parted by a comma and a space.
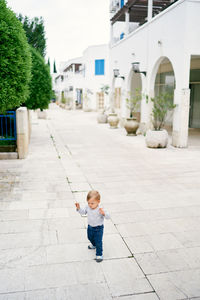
8, 126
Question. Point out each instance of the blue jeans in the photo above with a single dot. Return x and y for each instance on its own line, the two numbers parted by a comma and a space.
95, 236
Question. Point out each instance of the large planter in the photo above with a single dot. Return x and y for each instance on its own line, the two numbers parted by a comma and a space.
131, 126
102, 118
113, 120
156, 138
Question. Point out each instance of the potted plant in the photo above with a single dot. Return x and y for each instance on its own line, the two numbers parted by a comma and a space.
158, 137
63, 101
133, 103
113, 119
102, 116
68, 103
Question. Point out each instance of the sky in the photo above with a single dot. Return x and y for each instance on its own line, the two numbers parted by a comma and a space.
71, 25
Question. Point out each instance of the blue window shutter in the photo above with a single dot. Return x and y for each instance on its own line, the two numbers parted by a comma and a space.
99, 66
121, 35
122, 3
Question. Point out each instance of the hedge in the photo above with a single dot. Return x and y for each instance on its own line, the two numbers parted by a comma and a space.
15, 60
40, 85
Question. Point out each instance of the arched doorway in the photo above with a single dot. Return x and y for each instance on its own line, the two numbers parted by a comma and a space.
194, 117
165, 84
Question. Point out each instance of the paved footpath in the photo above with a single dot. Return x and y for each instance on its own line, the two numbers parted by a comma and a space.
151, 243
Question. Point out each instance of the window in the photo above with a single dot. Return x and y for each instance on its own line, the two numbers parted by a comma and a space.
99, 66
122, 36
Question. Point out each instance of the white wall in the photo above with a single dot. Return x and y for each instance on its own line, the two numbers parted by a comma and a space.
94, 82
86, 80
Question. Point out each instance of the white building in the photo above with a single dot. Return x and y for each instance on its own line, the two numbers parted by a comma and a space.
80, 79
163, 38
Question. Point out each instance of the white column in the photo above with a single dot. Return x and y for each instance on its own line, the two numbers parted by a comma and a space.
182, 102
181, 118
150, 9
111, 33
127, 18
22, 132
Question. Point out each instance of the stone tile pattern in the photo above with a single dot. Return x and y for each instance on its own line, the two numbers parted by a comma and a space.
151, 243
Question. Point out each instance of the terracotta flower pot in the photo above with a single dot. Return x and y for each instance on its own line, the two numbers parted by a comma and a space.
113, 120
131, 126
156, 138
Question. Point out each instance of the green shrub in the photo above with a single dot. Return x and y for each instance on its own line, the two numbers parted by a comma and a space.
162, 104
63, 99
15, 60
40, 84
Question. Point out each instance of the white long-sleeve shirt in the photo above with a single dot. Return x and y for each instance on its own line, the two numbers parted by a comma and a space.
94, 216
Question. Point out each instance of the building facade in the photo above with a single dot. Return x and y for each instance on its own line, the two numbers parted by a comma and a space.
80, 80
155, 47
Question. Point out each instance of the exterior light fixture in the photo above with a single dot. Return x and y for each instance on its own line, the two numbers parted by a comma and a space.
116, 74
136, 68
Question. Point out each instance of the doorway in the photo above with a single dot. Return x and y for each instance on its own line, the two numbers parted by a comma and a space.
194, 120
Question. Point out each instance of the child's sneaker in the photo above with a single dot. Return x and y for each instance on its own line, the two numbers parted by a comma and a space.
90, 246
99, 258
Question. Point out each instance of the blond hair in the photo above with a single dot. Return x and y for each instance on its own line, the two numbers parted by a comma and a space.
93, 194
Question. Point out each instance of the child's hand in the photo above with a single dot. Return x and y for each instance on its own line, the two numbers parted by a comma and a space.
77, 205
102, 211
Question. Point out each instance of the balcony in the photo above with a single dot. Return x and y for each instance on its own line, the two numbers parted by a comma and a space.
137, 9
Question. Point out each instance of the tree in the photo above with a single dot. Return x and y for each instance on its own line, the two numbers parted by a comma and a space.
35, 33
40, 84
48, 62
15, 60
54, 67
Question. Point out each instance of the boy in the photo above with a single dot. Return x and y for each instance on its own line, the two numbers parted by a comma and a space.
96, 216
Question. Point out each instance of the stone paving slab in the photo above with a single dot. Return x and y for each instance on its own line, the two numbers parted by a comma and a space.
151, 243
67, 223
147, 296
11, 215
22, 226
48, 213
124, 277
23, 257
17, 240
177, 285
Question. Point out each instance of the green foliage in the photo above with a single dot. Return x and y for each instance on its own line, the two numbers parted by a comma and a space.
40, 85
7, 142
34, 29
54, 67
105, 89
161, 105
15, 60
63, 99
53, 95
133, 101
